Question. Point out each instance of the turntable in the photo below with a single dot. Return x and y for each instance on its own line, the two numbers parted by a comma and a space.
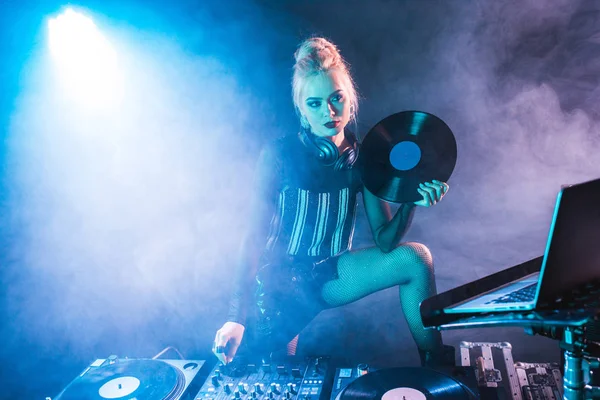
405, 383
148, 379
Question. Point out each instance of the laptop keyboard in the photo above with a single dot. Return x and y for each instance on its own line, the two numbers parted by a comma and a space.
524, 294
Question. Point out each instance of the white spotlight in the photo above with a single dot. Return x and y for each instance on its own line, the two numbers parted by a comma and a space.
86, 59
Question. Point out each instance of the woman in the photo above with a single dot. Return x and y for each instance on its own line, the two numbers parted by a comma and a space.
296, 259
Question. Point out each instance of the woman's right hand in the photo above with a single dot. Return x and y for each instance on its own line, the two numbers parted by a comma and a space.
227, 341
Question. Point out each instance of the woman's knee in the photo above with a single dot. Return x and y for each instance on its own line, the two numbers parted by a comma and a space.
418, 255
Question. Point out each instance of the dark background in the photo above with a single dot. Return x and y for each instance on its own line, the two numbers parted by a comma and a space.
118, 226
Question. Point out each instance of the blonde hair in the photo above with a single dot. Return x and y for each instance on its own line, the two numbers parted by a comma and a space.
315, 56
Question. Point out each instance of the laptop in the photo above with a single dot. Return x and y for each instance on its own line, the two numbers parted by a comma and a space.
571, 260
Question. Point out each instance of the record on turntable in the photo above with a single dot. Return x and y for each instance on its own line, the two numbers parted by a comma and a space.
406, 383
130, 379
402, 151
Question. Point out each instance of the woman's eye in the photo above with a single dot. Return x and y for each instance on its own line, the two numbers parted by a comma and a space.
339, 97
314, 104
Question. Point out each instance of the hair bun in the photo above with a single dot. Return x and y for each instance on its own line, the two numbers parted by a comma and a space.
317, 48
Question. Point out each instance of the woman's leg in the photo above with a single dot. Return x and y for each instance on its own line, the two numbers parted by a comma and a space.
367, 271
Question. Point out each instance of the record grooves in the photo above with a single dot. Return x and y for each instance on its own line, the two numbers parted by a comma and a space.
404, 150
406, 383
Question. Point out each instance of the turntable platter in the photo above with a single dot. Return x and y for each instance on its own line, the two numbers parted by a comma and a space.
406, 383
127, 379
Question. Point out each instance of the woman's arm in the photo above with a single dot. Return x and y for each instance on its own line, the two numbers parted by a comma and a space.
263, 204
387, 231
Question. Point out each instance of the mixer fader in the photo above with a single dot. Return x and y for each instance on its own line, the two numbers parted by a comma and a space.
292, 378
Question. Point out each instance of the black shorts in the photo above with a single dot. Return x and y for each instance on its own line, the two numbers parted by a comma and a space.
287, 298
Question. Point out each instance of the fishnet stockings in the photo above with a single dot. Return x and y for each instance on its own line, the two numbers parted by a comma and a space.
369, 270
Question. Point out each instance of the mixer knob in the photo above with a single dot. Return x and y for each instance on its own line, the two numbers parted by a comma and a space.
288, 395
242, 388
271, 395
281, 370
215, 380
254, 395
362, 369
296, 373
218, 373
227, 388
258, 388
236, 394
266, 367
274, 388
291, 387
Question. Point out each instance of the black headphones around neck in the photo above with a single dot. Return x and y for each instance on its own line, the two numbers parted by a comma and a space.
326, 151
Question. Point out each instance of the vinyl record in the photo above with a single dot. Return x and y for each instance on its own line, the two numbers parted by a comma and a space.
405, 384
404, 150
127, 379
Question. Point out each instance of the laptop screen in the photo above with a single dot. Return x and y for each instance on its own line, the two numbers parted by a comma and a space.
573, 248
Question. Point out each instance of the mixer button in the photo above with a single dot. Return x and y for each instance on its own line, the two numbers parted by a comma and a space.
251, 368
228, 388
296, 373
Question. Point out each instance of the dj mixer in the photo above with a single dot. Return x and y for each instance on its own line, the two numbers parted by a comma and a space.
248, 379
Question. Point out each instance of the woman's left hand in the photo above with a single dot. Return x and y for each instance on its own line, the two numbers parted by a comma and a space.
432, 192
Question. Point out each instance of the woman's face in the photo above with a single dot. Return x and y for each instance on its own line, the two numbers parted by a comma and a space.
324, 104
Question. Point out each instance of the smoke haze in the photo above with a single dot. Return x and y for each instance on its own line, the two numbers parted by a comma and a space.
121, 221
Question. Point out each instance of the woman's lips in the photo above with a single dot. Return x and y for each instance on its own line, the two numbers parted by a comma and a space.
332, 124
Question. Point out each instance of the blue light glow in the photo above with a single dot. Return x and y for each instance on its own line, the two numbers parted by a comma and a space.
86, 61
